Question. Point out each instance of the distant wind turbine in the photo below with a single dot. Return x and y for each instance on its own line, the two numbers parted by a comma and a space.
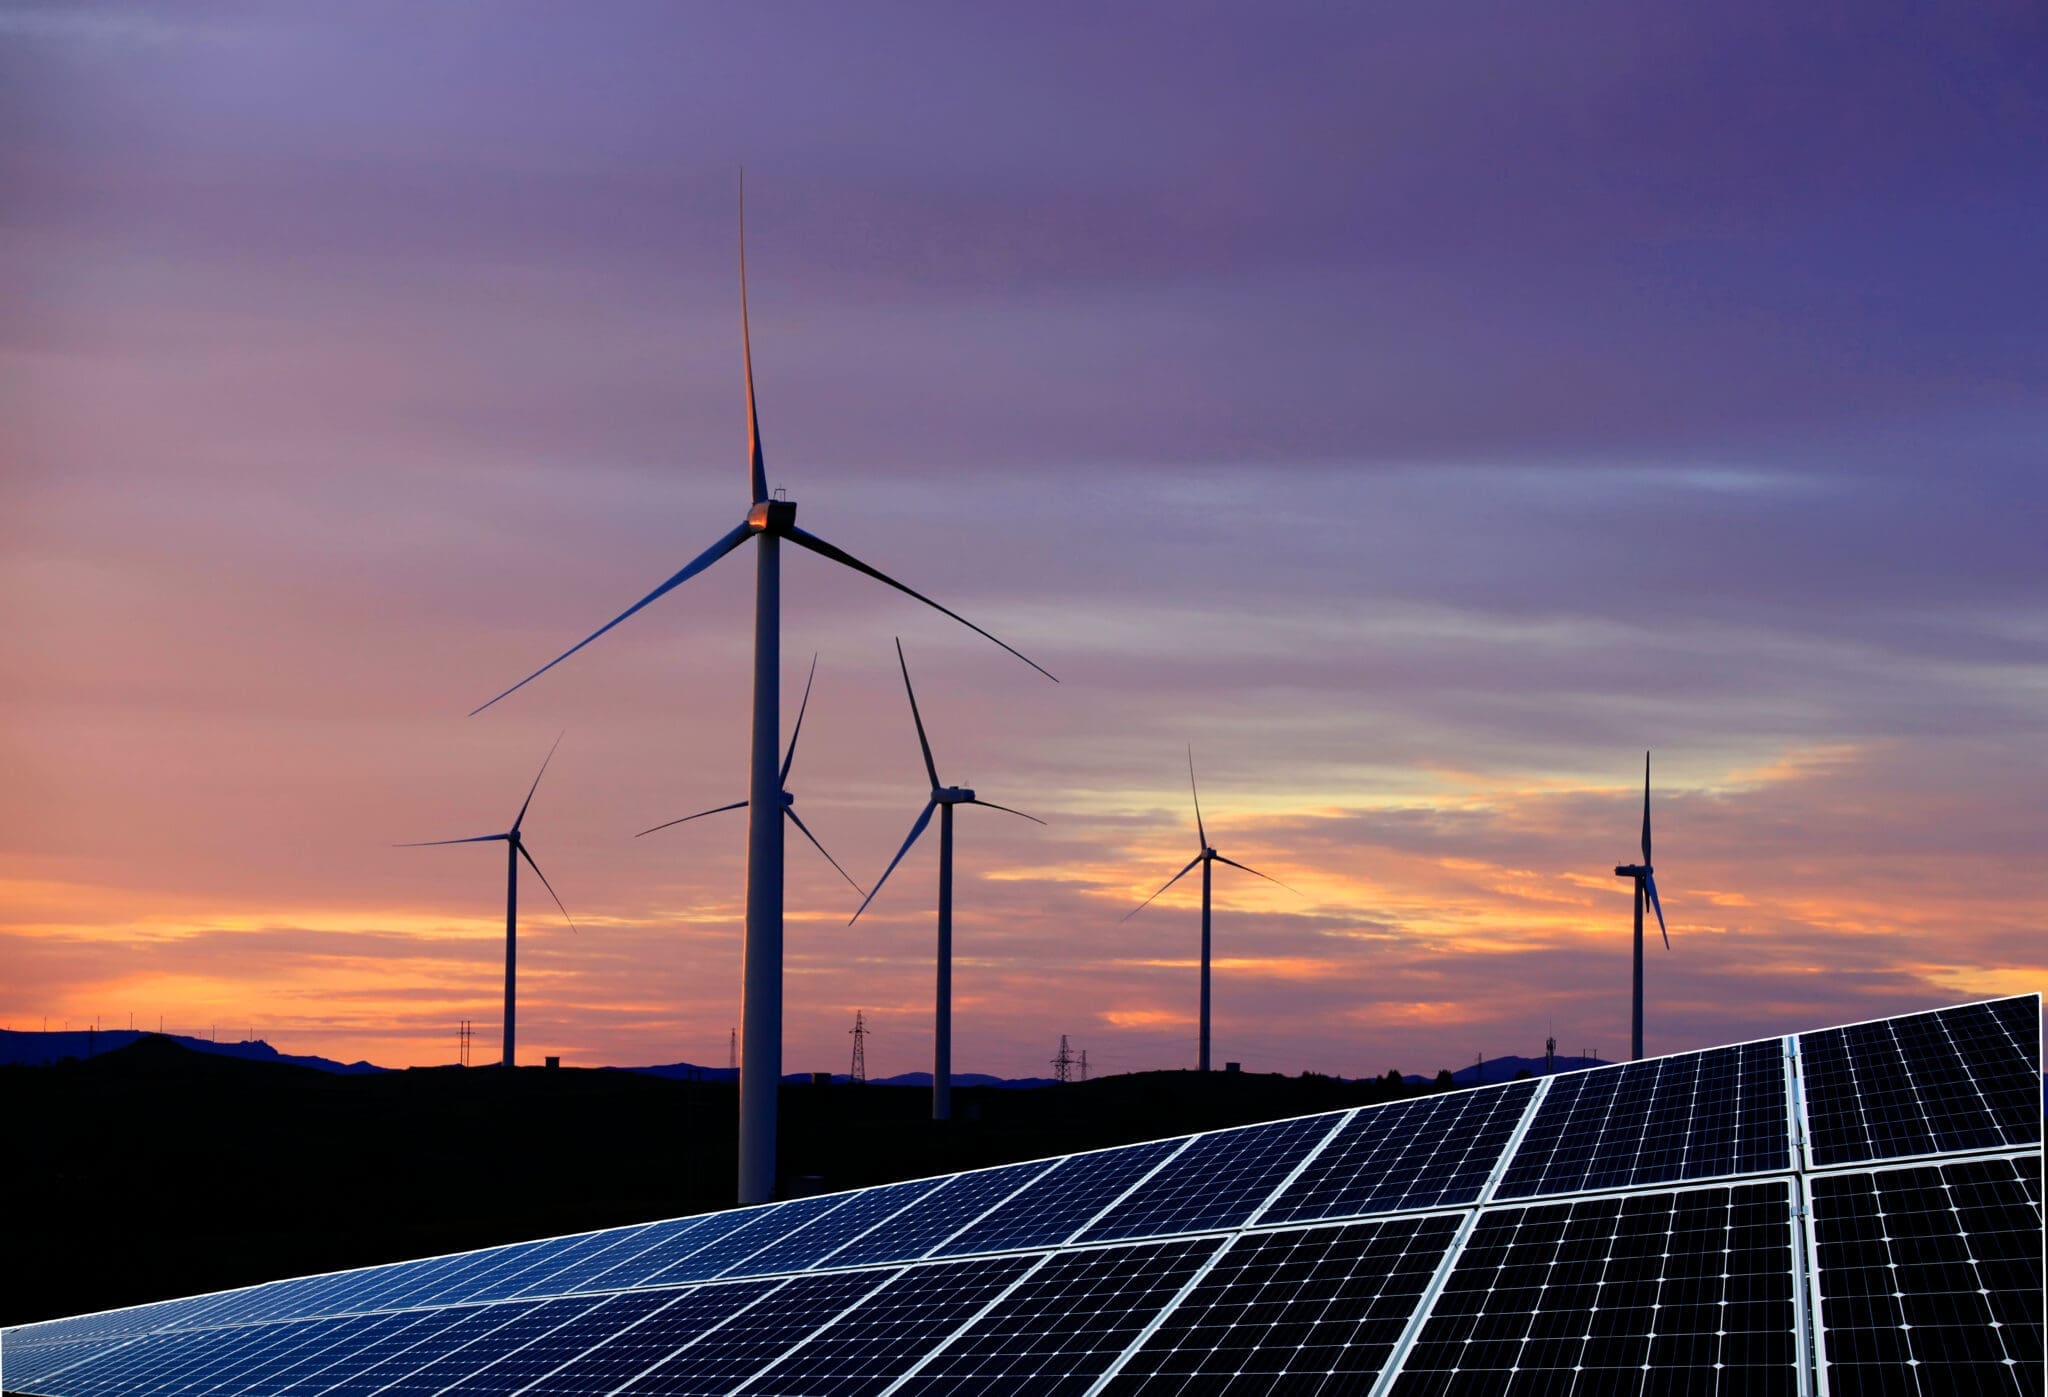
769, 521
943, 799
788, 800
1205, 858
515, 850
1646, 882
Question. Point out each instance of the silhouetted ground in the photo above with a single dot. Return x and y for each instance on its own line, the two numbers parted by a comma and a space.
154, 1172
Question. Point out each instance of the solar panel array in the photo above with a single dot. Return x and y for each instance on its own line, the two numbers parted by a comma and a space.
1851, 1211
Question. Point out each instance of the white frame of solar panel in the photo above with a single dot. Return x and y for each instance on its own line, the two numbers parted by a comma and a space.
1794, 1172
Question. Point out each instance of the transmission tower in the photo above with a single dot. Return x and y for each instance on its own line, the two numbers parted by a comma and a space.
732, 1052
1549, 1055
859, 1072
1063, 1064
1084, 1064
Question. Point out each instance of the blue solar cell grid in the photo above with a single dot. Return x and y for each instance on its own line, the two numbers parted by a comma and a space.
1956, 1079
1665, 1120
1219, 1180
938, 1215
819, 1239
1430, 1152
1052, 1207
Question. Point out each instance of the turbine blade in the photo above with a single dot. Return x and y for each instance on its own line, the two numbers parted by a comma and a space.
1162, 888
536, 781
839, 555
915, 831
696, 565
1651, 885
521, 847
1256, 874
930, 769
797, 820
1647, 860
719, 810
473, 839
1006, 810
790, 756
757, 467
1202, 833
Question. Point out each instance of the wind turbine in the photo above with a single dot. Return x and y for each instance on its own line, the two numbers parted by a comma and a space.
1646, 882
769, 521
1206, 858
515, 850
943, 799
788, 800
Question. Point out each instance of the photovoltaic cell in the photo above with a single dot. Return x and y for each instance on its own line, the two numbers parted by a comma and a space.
612, 1344
717, 1360
673, 1246
1694, 1116
866, 1349
472, 1325
1049, 1209
833, 1230
1930, 1278
340, 1338
489, 1346
636, 1242
937, 1216
1217, 1181
1316, 1309
537, 1274
1425, 1153
768, 1226
1957, 1079
1661, 1292
1059, 1330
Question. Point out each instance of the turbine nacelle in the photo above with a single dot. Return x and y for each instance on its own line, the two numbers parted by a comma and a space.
788, 800
1209, 853
1633, 870
952, 795
772, 517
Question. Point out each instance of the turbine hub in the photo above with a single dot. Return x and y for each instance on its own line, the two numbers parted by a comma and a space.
773, 516
953, 795
787, 800
1209, 853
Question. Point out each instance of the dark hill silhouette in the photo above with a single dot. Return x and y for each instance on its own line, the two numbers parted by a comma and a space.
153, 1171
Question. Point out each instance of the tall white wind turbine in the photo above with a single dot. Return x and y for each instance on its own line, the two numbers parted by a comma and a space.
769, 522
943, 799
788, 800
515, 850
1206, 858
1646, 882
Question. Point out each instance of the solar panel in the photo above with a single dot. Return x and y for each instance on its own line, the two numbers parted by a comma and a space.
1955, 1079
1062, 1326
1219, 1180
1934, 1267
1052, 1207
1669, 1119
1855, 1210
866, 1349
1318, 1308
937, 1216
1690, 1291
1425, 1153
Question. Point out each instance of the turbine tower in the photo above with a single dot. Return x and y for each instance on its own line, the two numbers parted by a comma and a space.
943, 799
769, 521
515, 850
788, 800
1206, 858
1646, 882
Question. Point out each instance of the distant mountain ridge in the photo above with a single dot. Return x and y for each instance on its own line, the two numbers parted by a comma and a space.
33, 1049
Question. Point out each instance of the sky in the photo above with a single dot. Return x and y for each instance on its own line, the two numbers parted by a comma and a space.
1420, 412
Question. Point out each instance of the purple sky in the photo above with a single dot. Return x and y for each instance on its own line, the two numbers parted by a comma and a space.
1421, 410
